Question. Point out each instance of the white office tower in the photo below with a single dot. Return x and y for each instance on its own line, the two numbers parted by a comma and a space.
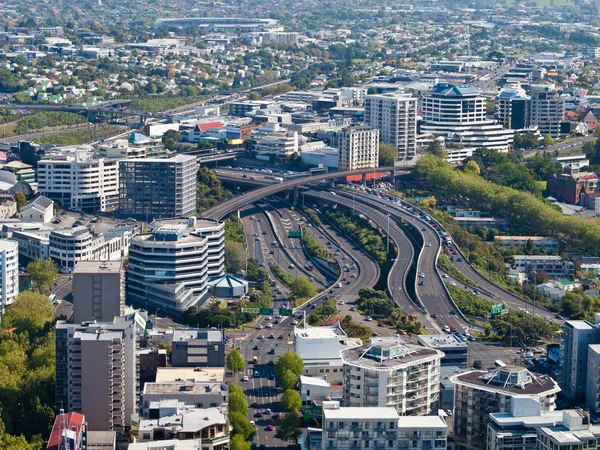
458, 114
389, 372
358, 148
395, 116
9, 282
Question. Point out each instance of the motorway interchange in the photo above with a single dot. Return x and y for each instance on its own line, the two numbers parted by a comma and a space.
267, 220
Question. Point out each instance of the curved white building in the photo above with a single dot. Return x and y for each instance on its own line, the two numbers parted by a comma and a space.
169, 268
9, 272
389, 372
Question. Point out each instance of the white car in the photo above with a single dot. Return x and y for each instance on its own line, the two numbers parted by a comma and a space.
269, 325
260, 327
453, 283
245, 378
341, 302
421, 275
295, 322
268, 318
446, 328
368, 319
429, 244
353, 275
445, 275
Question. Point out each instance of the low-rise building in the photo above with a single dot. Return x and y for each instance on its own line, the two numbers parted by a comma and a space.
271, 140
40, 209
346, 428
575, 431
201, 395
554, 266
567, 187
175, 420
456, 352
171, 444
548, 244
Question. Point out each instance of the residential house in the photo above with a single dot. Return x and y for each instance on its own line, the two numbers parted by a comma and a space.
40, 209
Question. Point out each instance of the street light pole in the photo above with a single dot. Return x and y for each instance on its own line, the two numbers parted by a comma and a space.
387, 248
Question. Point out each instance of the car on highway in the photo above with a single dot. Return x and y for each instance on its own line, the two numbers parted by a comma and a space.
255, 347
295, 322
381, 324
453, 328
353, 275
453, 312
341, 302
421, 275
421, 283
259, 327
368, 319
445, 275
429, 244
352, 308
269, 427
262, 336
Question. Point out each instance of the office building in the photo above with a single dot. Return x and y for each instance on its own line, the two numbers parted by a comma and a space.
272, 141
80, 181
456, 352
170, 266
574, 432
98, 291
346, 428
547, 109
577, 336
97, 370
592, 393
479, 393
513, 107
151, 188
395, 116
9, 272
458, 114
389, 372
553, 265
69, 246
198, 348
320, 347
175, 420
358, 148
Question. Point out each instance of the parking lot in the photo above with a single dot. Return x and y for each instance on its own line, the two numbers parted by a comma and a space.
102, 225
488, 354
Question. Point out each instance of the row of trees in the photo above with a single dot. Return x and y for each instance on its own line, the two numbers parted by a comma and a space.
527, 213
165, 102
469, 303
315, 249
48, 119
209, 190
380, 305
361, 231
300, 286
242, 431
77, 137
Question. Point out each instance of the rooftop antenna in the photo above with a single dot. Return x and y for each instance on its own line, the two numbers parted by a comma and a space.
61, 437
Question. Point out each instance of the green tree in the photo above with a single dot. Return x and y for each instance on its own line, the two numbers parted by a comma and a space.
11, 442
30, 313
253, 96
43, 273
238, 403
235, 362
288, 427
165, 346
241, 425
435, 148
235, 257
171, 138
302, 287
289, 361
238, 443
388, 154
288, 380
477, 364
472, 167
21, 200
548, 140
291, 401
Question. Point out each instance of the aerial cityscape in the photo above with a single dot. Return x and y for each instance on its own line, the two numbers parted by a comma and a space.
360, 225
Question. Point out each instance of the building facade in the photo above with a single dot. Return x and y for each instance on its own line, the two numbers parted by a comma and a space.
458, 114
388, 372
358, 148
346, 428
170, 266
271, 140
553, 265
513, 107
198, 348
97, 370
9, 272
98, 291
151, 188
479, 393
547, 109
80, 182
395, 116
577, 336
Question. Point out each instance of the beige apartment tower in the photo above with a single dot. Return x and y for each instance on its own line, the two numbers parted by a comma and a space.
98, 291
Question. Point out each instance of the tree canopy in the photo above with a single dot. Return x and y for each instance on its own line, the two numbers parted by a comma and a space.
43, 273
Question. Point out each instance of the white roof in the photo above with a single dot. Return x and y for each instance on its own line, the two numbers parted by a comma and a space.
579, 324
314, 381
413, 422
350, 413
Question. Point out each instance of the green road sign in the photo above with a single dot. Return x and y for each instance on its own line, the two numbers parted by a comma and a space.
497, 309
285, 312
295, 233
266, 311
251, 310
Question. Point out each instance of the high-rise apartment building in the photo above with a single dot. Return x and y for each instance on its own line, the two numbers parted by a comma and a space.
80, 181
577, 336
478, 393
358, 148
458, 114
389, 372
9, 272
395, 116
547, 109
351, 428
513, 107
170, 266
152, 188
97, 370
98, 291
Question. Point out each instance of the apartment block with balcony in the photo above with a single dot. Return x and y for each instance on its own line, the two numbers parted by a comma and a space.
478, 393
80, 181
151, 188
380, 428
271, 140
9, 272
97, 370
358, 148
554, 266
547, 109
389, 372
169, 267
395, 116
